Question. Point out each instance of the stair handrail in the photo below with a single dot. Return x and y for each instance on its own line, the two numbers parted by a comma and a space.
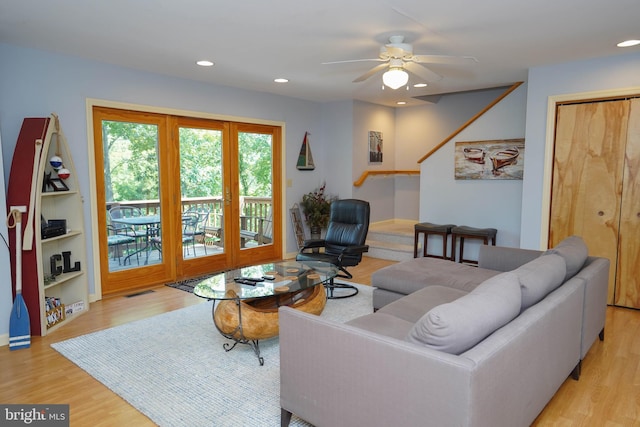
366, 174
471, 120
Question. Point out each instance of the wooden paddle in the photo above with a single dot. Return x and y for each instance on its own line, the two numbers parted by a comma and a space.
19, 326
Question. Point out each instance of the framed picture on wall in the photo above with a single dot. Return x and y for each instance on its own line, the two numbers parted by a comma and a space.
375, 146
493, 159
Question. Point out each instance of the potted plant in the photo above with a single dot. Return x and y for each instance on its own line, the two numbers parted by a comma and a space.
316, 208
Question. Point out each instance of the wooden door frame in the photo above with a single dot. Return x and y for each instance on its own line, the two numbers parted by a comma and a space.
90, 103
553, 101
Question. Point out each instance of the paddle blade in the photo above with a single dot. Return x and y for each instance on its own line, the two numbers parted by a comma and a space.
19, 329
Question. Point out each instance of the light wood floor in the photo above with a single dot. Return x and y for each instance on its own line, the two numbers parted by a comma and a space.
608, 392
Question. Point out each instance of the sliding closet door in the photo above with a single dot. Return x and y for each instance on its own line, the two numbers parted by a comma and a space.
587, 183
627, 292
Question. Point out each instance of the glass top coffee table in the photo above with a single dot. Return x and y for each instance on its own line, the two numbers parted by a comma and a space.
246, 300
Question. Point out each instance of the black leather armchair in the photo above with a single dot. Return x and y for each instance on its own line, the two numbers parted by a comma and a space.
343, 244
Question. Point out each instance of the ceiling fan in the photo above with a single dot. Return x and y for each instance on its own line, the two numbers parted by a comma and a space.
397, 56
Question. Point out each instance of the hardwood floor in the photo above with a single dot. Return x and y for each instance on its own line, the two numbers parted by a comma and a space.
608, 392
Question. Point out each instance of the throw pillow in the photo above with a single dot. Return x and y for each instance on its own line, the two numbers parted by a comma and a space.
459, 325
575, 253
539, 277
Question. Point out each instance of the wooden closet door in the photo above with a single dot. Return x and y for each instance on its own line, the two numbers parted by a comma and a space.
587, 177
628, 267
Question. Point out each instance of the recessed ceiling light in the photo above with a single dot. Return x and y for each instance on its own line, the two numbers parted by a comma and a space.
420, 85
628, 43
281, 80
401, 102
204, 63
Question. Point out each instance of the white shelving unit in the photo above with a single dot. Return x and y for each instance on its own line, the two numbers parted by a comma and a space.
59, 262
71, 286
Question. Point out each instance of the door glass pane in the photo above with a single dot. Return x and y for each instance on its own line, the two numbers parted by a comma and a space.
132, 194
201, 192
256, 184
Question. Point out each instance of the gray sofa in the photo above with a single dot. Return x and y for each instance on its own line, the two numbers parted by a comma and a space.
449, 344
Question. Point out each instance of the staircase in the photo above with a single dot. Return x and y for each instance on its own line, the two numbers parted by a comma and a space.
391, 239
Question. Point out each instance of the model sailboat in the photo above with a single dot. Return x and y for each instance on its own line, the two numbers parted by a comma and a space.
305, 159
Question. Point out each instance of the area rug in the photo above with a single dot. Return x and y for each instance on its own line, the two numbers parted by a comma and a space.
173, 369
189, 284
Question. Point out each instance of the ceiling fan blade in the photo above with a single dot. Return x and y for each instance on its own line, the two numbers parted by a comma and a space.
371, 72
354, 60
396, 52
443, 59
422, 72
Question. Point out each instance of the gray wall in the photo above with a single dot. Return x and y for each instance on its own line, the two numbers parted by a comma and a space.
477, 203
379, 191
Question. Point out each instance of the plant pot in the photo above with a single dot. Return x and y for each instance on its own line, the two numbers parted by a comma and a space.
316, 232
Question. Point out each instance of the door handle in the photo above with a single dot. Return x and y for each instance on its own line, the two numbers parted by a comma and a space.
227, 196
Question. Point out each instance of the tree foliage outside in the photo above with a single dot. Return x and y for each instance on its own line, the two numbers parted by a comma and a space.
131, 162
255, 164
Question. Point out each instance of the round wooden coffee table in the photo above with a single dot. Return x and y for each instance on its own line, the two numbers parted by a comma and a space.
246, 311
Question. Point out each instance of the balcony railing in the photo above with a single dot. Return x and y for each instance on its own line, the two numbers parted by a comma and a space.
253, 208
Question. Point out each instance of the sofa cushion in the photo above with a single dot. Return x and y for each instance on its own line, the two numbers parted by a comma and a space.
539, 277
574, 251
459, 325
413, 306
409, 276
383, 324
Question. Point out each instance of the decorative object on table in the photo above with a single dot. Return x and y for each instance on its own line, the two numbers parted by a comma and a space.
492, 159
305, 159
375, 146
316, 207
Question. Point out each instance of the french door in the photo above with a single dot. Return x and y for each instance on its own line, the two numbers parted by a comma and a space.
180, 197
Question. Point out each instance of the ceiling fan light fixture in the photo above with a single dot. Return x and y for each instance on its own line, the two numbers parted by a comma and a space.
628, 43
395, 78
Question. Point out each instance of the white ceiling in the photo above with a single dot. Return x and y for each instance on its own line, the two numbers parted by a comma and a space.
254, 41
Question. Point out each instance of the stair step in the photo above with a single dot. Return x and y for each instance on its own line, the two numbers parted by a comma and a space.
390, 251
391, 239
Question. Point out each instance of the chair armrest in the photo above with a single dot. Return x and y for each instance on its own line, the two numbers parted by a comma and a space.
312, 243
356, 249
